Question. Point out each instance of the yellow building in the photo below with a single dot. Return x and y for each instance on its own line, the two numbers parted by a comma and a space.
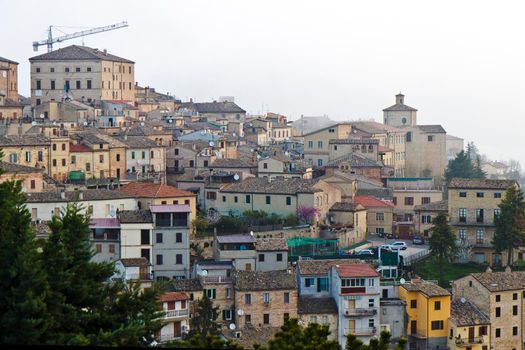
316, 143
428, 309
29, 150
469, 327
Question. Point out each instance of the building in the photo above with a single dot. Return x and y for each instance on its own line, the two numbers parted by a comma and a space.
136, 227
317, 143
144, 158
89, 155
176, 320
10, 110
454, 146
239, 249
472, 207
9, 79
349, 223
280, 166
399, 114
33, 179
213, 111
425, 213
428, 309
81, 73
265, 298
499, 296
495, 170
426, 151
356, 291
28, 150
272, 254
468, 327
105, 239
318, 310
379, 214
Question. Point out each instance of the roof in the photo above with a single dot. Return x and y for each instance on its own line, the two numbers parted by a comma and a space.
214, 107
69, 196
153, 190
433, 206
430, 289
399, 107
134, 262
346, 206
7, 60
465, 314
17, 168
78, 53
187, 285
372, 202
271, 244
375, 192
230, 163
325, 128
104, 223
314, 305
236, 239
373, 127
174, 296
347, 270
319, 267
215, 265
352, 141
268, 280
170, 208
490, 184
500, 281
78, 147
435, 129
25, 140
11, 103
135, 216
276, 186
137, 141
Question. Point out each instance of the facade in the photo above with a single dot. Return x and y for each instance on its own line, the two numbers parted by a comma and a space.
379, 214
144, 158
318, 310
399, 114
239, 249
468, 326
272, 254
428, 309
32, 178
176, 320
454, 146
105, 239
425, 213
9, 79
349, 221
81, 73
277, 166
10, 110
317, 143
426, 151
136, 227
472, 207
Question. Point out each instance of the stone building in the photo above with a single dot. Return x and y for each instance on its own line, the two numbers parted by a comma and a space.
9, 79
468, 326
379, 214
426, 151
399, 114
318, 310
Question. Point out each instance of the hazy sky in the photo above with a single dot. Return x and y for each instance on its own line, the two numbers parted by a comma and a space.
460, 63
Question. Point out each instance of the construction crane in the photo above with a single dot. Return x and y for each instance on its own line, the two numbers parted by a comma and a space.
50, 40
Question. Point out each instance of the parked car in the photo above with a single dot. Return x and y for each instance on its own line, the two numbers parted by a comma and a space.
365, 252
385, 247
418, 240
383, 235
398, 245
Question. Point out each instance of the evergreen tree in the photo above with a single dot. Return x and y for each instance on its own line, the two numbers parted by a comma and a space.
442, 242
203, 322
464, 167
210, 341
510, 223
352, 343
383, 343
23, 285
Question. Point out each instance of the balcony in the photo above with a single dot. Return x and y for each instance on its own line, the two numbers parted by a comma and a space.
461, 222
176, 313
359, 312
215, 279
468, 341
368, 331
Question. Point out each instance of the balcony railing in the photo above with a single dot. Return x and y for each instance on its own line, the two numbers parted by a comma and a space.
361, 311
216, 279
361, 331
141, 276
469, 341
169, 337
176, 313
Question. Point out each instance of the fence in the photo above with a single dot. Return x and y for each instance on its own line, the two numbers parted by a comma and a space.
408, 260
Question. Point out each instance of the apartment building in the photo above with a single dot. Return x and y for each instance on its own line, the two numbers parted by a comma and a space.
81, 73
213, 111
144, 158
349, 222
317, 143
499, 296
318, 310
428, 309
343, 148
272, 254
468, 327
10, 110
89, 154
32, 178
105, 239
29, 150
239, 249
136, 227
425, 213
176, 321
472, 207
275, 166
379, 214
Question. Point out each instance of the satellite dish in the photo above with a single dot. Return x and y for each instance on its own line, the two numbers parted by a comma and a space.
85, 123
204, 273
54, 123
141, 123
240, 312
33, 123
251, 233
463, 300
42, 116
211, 143
299, 322
402, 281
233, 326
236, 177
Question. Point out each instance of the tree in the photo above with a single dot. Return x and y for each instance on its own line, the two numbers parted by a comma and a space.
306, 214
200, 225
210, 341
203, 322
292, 336
383, 343
23, 287
442, 242
510, 223
463, 166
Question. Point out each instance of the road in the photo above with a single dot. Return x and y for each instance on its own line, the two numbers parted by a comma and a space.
411, 250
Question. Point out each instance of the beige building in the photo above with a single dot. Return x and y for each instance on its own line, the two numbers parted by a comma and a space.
426, 151
280, 166
317, 143
379, 216
9, 79
318, 310
10, 109
81, 73
29, 150
472, 206
468, 327
32, 178
425, 213
349, 223
399, 114
498, 295
454, 146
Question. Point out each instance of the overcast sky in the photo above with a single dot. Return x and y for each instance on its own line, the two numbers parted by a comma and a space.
460, 63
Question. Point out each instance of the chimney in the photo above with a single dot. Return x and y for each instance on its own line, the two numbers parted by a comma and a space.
191, 100
105, 52
488, 269
400, 99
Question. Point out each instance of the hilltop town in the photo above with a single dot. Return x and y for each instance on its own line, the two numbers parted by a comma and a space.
328, 222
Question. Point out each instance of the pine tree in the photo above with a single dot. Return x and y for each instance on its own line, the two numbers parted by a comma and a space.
463, 166
510, 223
203, 322
442, 242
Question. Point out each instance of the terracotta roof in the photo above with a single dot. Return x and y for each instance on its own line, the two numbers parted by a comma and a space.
428, 288
78, 147
133, 262
174, 296
78, 53
231, 163
25, 140
500, 281
7, 60
489, 184
320, 267
17, 168
268, 280
137, 141
346, 270
346, 206
276, 186
372, 202
384, 149
314, 305
433, 206
271, 244
465, 314
213, 107
152, 190
435, 129
373, 127
135, 216
188, 285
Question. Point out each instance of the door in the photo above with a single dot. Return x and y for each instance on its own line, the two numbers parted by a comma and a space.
471, 335
351, 326
413, 327
248, 267
177, 330
118, 173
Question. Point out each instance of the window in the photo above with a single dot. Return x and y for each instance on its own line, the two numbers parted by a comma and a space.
409, 200
413, 303
426, 219
437, 305
309, 282
63, 162
331, 130
497, 195
53, 85
132, 154
37, 101
287, 298
463, 194
319, 144
462, 233
178, 237
409, 137
268, 200
515, 296
479, 215
248, 319
480, 236
261, 257
144, 237
279, 257
265, 165
430, 138
371, 323
38, 84
77, 69
226, 315
319, 162
497, 212
514, 330
247, 299
235, 199
159, 259
143, 154
498, 332
288, 200
98, 248
210, 293
54, 162
101, 158
370, 302
482, 330
480, 194
266, 298
425, 200
248, 198
228, 293
178, 259
66, 85
435, 325
88, 69
54, 147
462, 215
40, 156
498, 298
313, 319
266, 319
224, 198
33, 184
380, 216
159, 238
514, 310
78, 84
88, 166
498, 311
310, 144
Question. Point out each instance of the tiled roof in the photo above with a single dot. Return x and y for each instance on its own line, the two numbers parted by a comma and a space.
17, 168
230, 163
78, 53
372, 202
88, 195
236, 239
174, 296
134, 262
7, 60
188, 285
346, 206
276, 186
137, 141
346, 270
268, 280
214, 107
435, 129
135, 216
104, 223
143, 130
372, 127
313, 305
428, 288
465, 314
433, 206
500, 281
319, 267
271, 244
490, 184
354, 141
152, 190
25, 140
78, 148
11, 103
170, 208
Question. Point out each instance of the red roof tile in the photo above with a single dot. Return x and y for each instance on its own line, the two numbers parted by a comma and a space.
151, 190
372, 202
174, 296
346, 270
78, 147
